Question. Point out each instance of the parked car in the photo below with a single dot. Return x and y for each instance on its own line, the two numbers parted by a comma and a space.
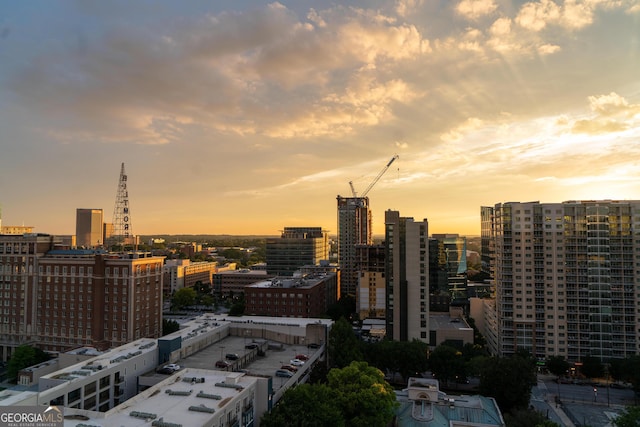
296, 362
222, 364
165, 371
172, 366
289, 368
231, 356
284, 373
251, 346
302, 357
313, 345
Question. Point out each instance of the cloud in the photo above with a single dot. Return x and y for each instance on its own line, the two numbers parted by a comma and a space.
571, 15
406, 7
474, 9
260, 72
613, 114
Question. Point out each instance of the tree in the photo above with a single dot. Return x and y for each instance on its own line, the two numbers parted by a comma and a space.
446, 363
345, 307
557, 365
183, 298
404, 357
294, 409
630, 417
23, 357
344, 346
354, 396
509, 381
592, 367
169, 326
362, 394
237, 306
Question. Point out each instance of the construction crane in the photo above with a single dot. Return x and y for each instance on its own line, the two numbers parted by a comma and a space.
366, 191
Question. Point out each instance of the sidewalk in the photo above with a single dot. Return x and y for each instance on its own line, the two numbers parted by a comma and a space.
566, 421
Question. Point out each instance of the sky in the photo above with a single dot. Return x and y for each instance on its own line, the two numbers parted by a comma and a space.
245, 117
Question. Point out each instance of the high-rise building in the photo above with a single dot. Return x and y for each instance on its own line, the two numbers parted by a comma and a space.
566, 277
407, 277
59, 299
98, 299
295, 248
354, 228
89, 228
447, 271
371, 296
19, 255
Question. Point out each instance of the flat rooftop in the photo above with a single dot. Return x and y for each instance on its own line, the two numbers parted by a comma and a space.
189, 397
445, 321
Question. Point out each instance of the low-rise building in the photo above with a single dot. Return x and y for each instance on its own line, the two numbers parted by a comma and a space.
449, 327
234, 281
182, 273
422, 404
305, 296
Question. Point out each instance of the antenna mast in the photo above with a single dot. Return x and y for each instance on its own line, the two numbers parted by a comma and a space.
122, 232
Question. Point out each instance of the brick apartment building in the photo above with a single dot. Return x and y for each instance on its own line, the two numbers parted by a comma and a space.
60, 299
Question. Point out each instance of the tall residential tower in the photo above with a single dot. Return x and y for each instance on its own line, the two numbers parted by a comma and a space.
567, 277
407, 277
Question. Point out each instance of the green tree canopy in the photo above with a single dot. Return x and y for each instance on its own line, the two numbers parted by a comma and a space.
23, 357
509, 381
630, 417
404, 357
365, 398
169, 326
354, 396
306, 405
237, 306
592, 367
345, 307
557, 365
447, 363
183, 298
344, 346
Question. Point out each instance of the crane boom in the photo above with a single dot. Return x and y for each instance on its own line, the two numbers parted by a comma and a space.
384, 169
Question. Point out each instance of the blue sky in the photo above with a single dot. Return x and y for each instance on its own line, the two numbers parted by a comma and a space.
245, 117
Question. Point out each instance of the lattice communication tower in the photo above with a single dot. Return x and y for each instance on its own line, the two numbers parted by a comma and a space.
122, 232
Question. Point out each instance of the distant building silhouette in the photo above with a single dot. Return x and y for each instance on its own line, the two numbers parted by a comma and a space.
296, 247
89, 228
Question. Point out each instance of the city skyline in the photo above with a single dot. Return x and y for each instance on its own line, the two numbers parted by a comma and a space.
244, 117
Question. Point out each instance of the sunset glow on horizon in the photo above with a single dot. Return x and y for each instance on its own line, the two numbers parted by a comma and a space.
240, 117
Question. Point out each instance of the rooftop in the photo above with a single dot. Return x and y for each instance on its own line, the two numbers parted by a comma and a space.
189, 398
446, 321
307, 281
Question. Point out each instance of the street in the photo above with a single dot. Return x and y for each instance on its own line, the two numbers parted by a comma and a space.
579, 405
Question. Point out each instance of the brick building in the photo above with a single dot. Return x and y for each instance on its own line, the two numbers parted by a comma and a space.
307, 296
59, 299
